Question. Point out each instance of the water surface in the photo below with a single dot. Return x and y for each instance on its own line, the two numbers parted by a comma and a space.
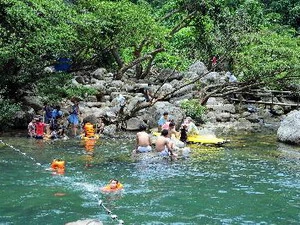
252, 180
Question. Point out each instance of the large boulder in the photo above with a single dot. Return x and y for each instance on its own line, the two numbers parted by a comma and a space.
134, 124
289, 129
199, 68
155, 112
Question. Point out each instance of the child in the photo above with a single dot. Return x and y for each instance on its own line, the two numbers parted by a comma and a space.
183, 133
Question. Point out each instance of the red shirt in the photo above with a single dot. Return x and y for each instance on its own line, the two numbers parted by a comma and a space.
39, 126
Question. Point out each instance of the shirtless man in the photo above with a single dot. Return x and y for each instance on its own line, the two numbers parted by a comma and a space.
163, 144
143, 141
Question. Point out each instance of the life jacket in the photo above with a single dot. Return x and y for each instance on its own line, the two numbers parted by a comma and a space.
89, 130
90, 144
107, 188
58, 166
39, 126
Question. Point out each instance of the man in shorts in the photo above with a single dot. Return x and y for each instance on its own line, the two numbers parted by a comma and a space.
143, 141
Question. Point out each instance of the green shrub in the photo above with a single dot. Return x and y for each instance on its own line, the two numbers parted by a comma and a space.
7, 113
193, 109
59, 85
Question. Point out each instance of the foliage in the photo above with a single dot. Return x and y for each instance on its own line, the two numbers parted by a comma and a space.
119, 25
193, 109
32, 34
58, 85
285, 12
7, 113
269, 57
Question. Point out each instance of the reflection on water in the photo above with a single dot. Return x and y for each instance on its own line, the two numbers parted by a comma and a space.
252, 180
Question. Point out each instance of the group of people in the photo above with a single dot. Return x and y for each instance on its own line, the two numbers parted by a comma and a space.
164, 144
50, 126
53, 124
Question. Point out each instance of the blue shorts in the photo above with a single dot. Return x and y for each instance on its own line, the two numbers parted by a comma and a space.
164, 152
73, 119
143, 149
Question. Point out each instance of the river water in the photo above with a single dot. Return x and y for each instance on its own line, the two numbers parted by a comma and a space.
251, 180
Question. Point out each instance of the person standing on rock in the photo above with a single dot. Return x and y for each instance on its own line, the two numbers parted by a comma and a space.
73, 118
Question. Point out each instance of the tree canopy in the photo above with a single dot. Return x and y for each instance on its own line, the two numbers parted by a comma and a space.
258, 39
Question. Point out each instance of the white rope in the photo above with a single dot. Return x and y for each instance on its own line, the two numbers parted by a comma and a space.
19, 151
112, 216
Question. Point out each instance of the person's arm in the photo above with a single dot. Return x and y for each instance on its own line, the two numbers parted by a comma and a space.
168, 144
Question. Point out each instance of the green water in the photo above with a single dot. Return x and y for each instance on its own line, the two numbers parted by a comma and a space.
252, 180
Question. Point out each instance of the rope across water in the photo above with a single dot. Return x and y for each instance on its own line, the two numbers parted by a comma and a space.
112, 216
19, 151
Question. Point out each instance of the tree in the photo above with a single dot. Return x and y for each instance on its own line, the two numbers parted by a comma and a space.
127, 31
33, 34
269, 57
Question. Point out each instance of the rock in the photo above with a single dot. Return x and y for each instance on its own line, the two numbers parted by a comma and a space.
170, 74
253, 117
133, 124
223, 117
34, 102
199, 68
110, 130
85, 222
156, 111
289, 129
211, 78
99, 73
90, 118
80, 79
215, 101
91, 98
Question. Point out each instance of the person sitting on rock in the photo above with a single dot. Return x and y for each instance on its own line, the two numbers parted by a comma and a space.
191, 127
143, 141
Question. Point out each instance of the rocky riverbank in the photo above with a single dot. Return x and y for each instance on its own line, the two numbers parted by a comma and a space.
222, 115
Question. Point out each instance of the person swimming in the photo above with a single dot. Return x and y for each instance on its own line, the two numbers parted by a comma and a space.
113, 186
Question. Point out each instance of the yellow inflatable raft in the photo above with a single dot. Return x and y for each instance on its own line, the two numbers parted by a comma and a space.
201, 139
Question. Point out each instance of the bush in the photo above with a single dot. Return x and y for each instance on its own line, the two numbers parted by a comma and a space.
193, 109
59, 85
7, 113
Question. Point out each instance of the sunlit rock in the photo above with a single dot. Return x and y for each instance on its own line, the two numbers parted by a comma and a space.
289, 129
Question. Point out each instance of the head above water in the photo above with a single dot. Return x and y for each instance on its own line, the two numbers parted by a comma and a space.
164, 132
113, 183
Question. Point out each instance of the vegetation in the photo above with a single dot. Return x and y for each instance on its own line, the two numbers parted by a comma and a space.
256, 39
193, 109
7, 111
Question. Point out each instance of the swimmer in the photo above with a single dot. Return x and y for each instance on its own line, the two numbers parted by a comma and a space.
113, 186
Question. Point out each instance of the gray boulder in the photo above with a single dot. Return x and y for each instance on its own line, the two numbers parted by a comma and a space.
156, 111
199, 68
133, 124
289, 129
99, 73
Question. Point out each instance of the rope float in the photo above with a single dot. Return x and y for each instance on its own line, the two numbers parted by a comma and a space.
19, 151
109, 212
